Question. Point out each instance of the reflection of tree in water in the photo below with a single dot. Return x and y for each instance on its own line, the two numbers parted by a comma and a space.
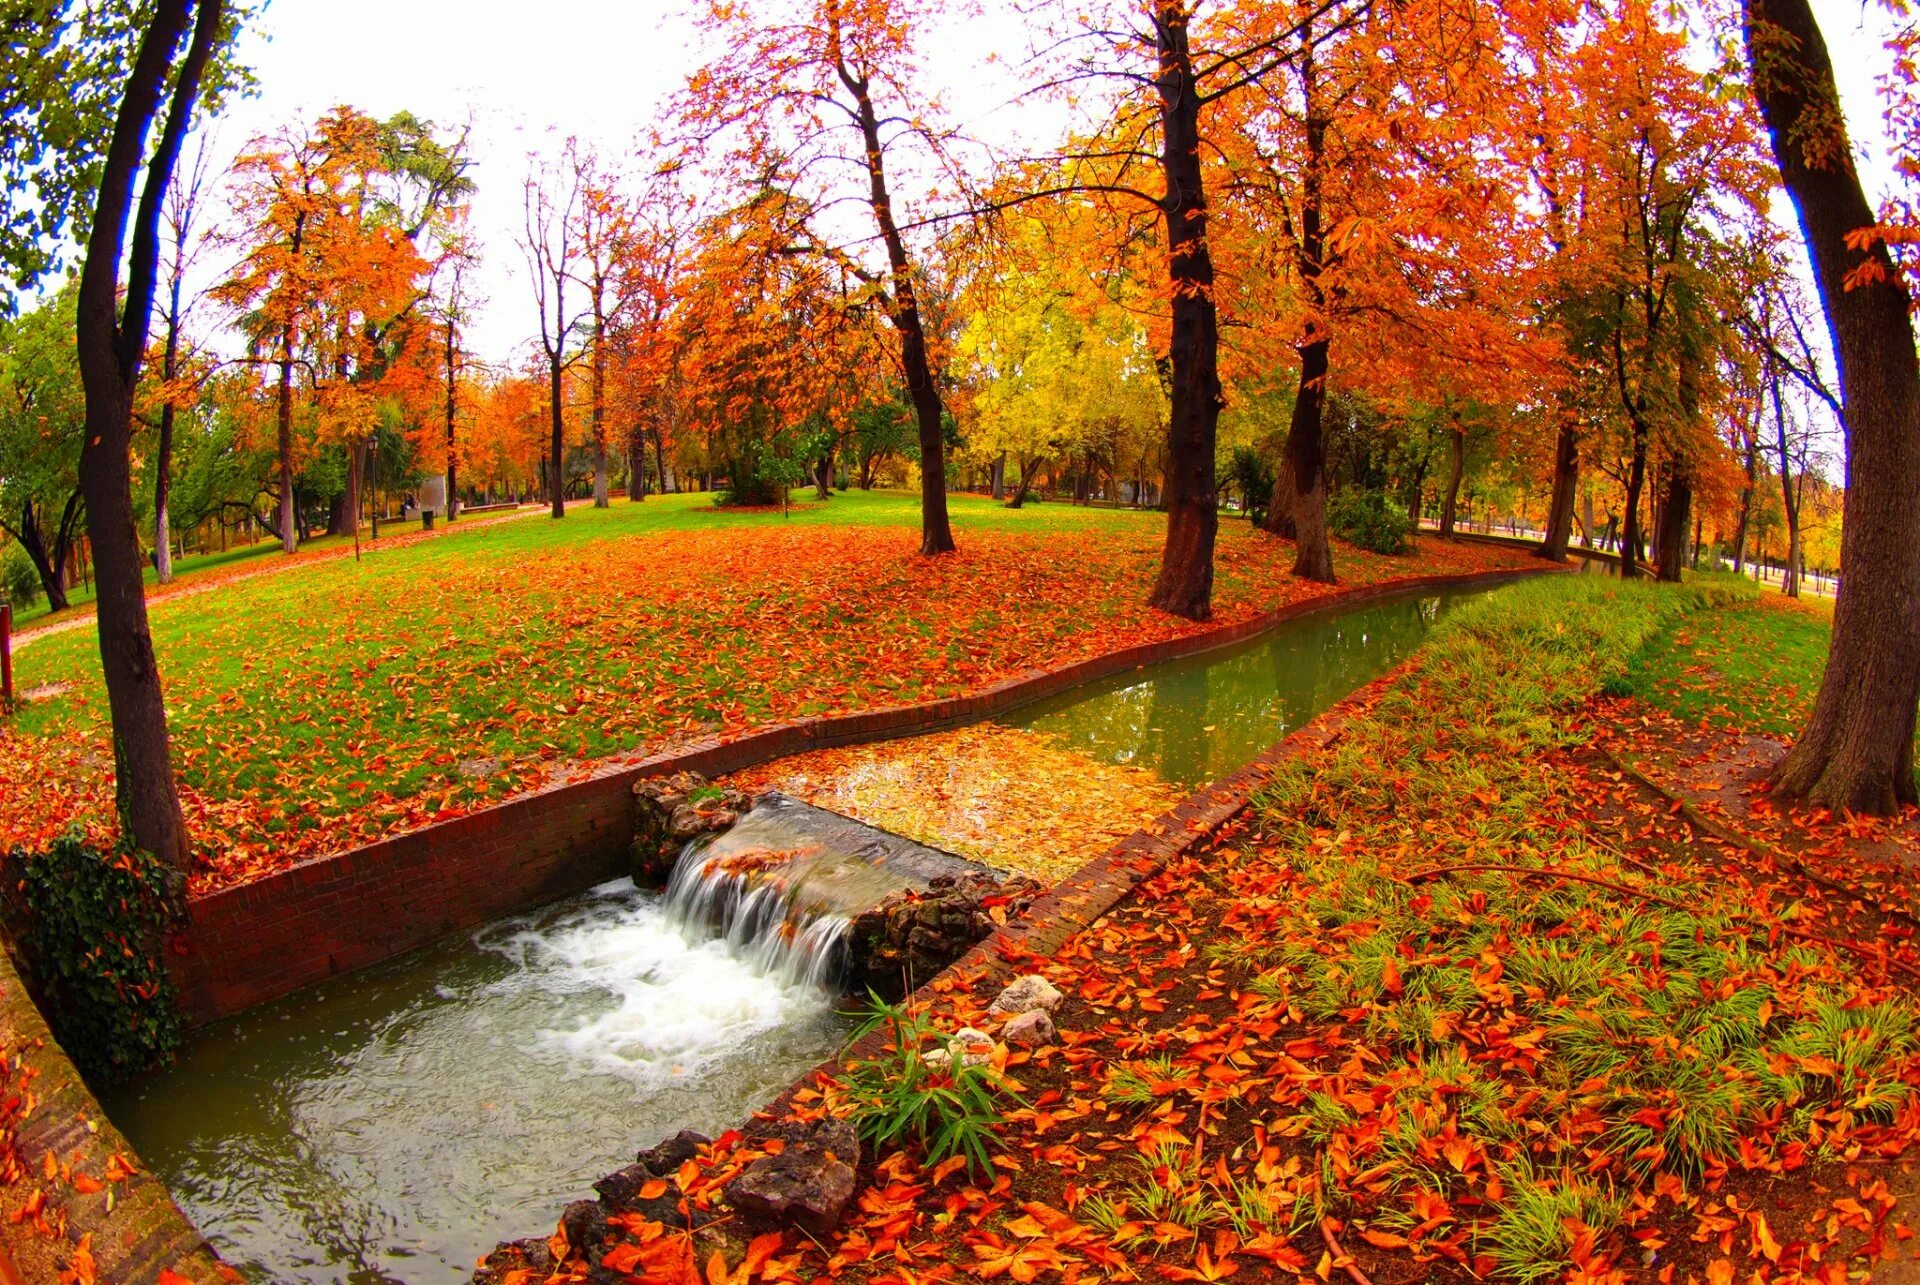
1182, 714
1195, 721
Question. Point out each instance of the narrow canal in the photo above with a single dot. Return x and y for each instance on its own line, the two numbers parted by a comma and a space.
391, 1125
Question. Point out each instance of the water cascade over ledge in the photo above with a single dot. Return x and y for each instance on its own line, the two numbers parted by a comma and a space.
782, 886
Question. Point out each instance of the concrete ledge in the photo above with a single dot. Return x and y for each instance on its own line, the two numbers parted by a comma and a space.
252, 943
131, 1227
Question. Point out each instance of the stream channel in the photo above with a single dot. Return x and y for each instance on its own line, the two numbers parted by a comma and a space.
394, 1123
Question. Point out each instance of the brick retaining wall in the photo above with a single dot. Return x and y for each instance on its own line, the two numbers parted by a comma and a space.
245, 945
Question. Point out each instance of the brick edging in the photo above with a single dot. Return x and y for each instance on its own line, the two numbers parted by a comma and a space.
136, 1230
258, 941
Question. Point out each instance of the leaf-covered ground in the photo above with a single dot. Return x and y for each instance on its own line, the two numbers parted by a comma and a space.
1012, 799
339, 701
1455, 1000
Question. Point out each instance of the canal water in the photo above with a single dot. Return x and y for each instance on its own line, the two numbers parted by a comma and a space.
393, 1124
1193, 721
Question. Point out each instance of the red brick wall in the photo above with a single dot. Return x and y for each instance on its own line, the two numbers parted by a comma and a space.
246, 945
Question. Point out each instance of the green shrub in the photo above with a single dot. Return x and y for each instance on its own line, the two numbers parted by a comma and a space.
1371, 520
897, 1098
1252, 476
19, 582
96, 926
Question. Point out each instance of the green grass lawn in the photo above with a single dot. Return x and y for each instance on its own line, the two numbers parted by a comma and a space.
260, 553
342, 699
1754, 662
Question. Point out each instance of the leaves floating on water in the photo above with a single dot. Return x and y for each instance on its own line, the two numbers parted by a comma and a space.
1016, 800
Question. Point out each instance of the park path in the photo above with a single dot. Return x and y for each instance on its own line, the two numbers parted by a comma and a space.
198, 585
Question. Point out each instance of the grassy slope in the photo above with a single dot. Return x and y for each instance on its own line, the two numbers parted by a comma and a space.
343, 699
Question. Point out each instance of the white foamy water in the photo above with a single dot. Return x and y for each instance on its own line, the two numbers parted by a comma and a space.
390, 1126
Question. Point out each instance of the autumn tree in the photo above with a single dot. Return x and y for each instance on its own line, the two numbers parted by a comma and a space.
550, 240
42, 414
1856, 751
829, 92
173, 46
184, 241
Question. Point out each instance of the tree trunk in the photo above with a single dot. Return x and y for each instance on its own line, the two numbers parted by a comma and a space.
1028, 472
51, 565
1856, 751
997, 474
1306, 435
556, 453
597, 375
1457, 469
1185, 584
1566, 480
1306, 465
1746, 499
284, 440
936, 532
163, 449
1676, 516
453, 387
660, 458
1636, 483
110, 350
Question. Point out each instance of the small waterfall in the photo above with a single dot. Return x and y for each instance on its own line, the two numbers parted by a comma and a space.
785, 883
750, 901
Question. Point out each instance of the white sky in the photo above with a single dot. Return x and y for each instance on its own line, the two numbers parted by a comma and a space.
602, 69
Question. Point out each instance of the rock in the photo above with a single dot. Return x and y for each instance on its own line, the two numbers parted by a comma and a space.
937, 1059
621, 1188
585, 1225
910, 936
1027, 994
970, 1047
530, 1256
808, 1185
1030, 1030
665, 1160
668, 811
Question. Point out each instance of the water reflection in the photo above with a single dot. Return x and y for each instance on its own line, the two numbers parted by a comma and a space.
1196, 720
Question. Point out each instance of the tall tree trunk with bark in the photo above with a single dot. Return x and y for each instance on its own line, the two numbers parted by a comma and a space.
283, 439
452, 356
1456, 470
1630, 542
1566, 481
1185, 584
557, 444
1676, 516
1301, 487
1856, 751
1789, 491
597, 378
1747, 487
163, 448
936, 531
110, 345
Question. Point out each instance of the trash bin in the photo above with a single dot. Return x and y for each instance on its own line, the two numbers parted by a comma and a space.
426, 519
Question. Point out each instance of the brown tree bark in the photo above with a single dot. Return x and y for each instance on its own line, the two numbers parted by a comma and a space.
1566, 482
50, 563
1457, 469
1185, 583
452, 356
1631, 540
936, 532
1856, 751
1676, 517
1307, 468
163, 448
110, 346
557, 446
